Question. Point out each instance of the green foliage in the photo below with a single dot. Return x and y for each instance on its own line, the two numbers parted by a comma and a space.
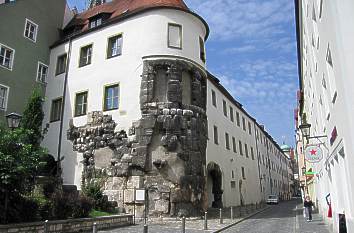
19, 161
19, 164
93, 190
33, 117
67, 206
22, 209
96, 213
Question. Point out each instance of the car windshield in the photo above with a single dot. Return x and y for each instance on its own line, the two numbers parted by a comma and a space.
272, 197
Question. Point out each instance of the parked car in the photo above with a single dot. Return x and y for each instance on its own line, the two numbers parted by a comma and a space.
273, 199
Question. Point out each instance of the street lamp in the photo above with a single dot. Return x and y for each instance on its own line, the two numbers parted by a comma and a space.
13, 120
305, 129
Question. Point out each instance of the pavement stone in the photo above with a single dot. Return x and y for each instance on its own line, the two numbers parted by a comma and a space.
193, 225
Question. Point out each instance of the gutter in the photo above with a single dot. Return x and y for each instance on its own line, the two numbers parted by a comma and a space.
298, 21
63, 107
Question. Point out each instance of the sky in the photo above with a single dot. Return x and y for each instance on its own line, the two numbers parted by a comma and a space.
252, 50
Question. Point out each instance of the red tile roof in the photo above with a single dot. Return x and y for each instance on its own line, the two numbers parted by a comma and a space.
119, 8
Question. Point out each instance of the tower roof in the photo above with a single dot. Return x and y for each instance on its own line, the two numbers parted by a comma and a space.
285, 147
119, 9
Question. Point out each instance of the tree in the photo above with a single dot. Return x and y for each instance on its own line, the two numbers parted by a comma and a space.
33, 117
20, 154
19, 164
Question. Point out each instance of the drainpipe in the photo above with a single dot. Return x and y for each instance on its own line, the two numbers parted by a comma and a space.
63, 107
258, 159
269, 168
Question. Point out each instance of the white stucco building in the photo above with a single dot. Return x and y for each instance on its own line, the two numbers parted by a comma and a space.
325, 52
99, 65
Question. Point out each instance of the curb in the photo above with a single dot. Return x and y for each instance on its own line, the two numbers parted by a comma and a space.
241, 220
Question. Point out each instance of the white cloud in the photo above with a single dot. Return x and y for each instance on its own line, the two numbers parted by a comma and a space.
241, 49
229, 19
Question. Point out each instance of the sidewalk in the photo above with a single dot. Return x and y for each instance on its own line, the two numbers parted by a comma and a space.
193, 225
317, 225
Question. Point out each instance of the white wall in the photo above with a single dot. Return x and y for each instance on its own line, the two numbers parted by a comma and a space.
143, 35
334, 29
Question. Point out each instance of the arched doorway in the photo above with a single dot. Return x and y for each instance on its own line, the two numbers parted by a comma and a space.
214, 184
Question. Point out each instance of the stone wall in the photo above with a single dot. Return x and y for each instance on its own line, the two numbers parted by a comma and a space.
69, 226
164, 152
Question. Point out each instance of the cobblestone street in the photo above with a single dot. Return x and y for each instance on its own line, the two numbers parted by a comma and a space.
283, 218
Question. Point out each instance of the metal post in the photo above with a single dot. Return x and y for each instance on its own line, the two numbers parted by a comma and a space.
183, 224
46, 226
146, 228
220, 216
206, 221
232, 212
134, 207
94, 228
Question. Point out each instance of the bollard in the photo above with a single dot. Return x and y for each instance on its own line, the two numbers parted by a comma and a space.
184, 224
206, 221
146, 228
220, 215
46, 226
94, 228
232, 212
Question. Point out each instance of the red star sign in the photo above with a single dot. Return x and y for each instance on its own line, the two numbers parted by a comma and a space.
313, 152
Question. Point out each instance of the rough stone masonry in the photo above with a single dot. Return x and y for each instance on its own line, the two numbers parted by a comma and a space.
164, 152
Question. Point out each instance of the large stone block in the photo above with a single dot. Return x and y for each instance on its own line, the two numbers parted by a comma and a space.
116, 183
103, 157
135, 182
129, 196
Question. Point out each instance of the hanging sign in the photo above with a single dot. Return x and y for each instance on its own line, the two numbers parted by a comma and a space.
313, 154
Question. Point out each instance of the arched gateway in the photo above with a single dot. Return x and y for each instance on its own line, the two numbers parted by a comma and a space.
214, 184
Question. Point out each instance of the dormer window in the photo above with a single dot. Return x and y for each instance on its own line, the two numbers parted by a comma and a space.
95, 22
98, 19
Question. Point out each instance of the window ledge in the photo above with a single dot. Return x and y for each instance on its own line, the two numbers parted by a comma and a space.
7, 68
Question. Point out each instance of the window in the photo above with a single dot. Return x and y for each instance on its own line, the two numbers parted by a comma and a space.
42, 72
213, 97
61, 64
320, 2
234, 144
202, 49
6, 56
55, 113
31, 30
216, 136
331, 77
249, 128
4, 93
238, 118
240, 147
227, 142
174, 36
111, 97
244, 123
81, 104
231, 114
252, 153
232, 174
85, 55
95, 22
246, 150
114, 46
243, 173
233, 184
224, 107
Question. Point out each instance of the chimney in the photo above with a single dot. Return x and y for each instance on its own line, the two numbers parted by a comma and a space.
74, 10
94, 3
